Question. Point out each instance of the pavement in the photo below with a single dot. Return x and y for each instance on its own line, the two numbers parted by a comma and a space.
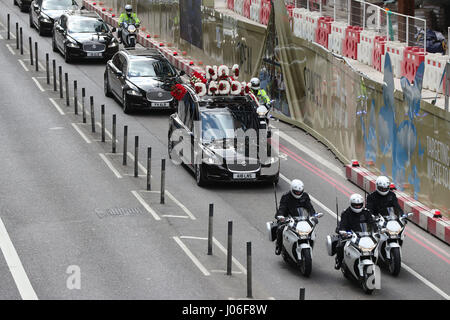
68, 205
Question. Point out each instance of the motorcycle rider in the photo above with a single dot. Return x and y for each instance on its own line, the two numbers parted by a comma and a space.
290, 201
382, 198
351, 219
260, 94
129, 17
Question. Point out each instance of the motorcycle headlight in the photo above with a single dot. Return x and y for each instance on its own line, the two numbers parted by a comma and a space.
367, 249
304, 234
131, 28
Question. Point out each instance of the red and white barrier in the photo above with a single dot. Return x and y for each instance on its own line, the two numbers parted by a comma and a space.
378, 52
395, 50
351, 41
312, 19
337, 36
255, 10
230, 4
434, 69
365, 47
239, 7
412, 57
299, 16
323, 31
422, 215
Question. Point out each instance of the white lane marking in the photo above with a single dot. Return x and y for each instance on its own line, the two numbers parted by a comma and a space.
311, 153
172, 216
80, 132
195, 238
23, 65
15, 265
240, 266
186, 210
191, 256
1, 37
225, 271
10, 49
414, 273
56, 106
428, 283
110, 165
146, 205
38, 84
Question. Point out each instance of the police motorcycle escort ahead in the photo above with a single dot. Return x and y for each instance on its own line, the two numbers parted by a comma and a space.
357, 245
296, 226
129, 34
392, 235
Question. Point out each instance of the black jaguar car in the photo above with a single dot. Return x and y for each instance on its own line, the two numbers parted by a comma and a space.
208, 135
141, 79
84, 35
44, 13
24, 5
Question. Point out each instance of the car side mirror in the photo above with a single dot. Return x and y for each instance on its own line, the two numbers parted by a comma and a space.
343, 233
182, 73
119, 73
319, 215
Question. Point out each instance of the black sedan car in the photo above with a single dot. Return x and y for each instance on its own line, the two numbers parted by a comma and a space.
24, 5
84, 35
44, 13
208, 135
141, 79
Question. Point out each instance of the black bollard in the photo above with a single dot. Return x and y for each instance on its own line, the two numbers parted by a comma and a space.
66, 79
210, 228
83, 105
61, 94
8, 19
114, 133
47, 68
136, 153
30, 45
54, 75
163, 180
17, 35
103, 122
249, 270
75, 96
21, 41
36, 57
229, 249
125, 142
92, 114
302, 294
149, 169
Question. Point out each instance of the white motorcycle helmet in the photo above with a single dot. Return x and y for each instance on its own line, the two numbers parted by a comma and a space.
356, 203
383, 185
128, 9
255, 84
297, 187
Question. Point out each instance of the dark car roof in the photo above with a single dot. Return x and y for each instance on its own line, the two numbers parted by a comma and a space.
83, 14
142, 53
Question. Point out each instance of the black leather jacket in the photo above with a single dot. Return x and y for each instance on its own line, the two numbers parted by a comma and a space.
289, 205
377, 203
350, 221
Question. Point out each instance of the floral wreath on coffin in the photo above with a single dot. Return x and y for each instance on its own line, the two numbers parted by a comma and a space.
216, 81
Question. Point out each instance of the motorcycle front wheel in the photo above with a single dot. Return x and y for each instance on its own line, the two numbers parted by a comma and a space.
364, 281
306, 263
395, 262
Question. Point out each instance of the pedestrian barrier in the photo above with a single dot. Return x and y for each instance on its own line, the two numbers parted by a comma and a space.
246, 8
434, 69
365, 47
239, 7
312, 19
351, 41
255, 10
265, 12
299, 17
412, 57
230, 4
323, 30
337, 36
395, 50
378, 52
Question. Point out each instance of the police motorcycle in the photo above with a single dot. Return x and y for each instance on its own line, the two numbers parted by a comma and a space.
129, 34
391, 239
264, 116
361, 251
298, 239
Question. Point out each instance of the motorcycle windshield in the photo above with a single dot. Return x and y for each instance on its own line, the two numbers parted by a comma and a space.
366, 230
302, 213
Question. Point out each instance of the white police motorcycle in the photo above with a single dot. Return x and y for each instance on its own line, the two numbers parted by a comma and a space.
360, 256
391, 239
298, 239
129, 34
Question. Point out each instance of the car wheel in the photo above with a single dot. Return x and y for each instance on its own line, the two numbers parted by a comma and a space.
126, 107
54, 47
41, 32
67, 56
106, 87
22, 8
199, 176
14, 2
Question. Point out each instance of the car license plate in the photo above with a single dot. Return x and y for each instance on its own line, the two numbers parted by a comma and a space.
160, 104
245, 176
94, 54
